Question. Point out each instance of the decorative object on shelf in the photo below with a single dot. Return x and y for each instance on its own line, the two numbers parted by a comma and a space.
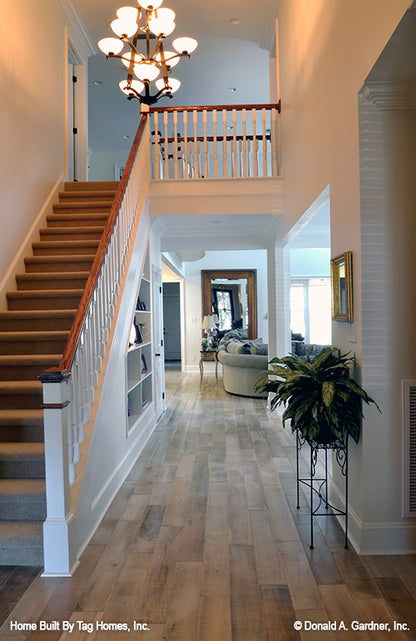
146, 22
144, 330
138, 335
209, 326
321, 400
134, 336
141, 306
341, 285
144, 365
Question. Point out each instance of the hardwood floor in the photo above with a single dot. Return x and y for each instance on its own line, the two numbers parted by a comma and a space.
204, 543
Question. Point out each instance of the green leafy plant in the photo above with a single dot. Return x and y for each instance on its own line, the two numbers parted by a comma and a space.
320, 398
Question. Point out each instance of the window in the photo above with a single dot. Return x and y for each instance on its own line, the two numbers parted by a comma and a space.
310, 310
224, 308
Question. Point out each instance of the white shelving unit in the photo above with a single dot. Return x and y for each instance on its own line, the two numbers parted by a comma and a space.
139, 354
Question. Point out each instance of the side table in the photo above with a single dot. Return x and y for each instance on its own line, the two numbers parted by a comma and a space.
208, 355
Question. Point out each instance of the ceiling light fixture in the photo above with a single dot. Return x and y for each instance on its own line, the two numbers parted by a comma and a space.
146, 23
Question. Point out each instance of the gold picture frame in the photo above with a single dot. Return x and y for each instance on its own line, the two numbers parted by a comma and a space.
341, 286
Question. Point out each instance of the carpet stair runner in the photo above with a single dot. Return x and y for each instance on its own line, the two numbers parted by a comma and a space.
33, 335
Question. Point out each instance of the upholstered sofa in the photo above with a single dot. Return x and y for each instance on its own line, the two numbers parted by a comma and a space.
243, 362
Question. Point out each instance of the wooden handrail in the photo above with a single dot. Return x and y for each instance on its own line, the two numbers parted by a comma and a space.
276, 105
73, 338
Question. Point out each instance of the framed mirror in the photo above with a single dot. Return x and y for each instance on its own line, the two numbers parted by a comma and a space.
231, 295
341, 285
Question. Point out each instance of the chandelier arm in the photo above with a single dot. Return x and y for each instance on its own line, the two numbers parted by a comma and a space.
159, 47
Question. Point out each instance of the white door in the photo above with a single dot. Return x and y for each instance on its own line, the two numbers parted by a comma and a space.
158, 356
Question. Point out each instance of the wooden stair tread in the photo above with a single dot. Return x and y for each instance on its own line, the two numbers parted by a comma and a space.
50, 231
17, 387
77, 258
10, 488
38, 313
46, 293
92, 185
12, 451
50, 275
28, 359
33, 335
21, 531
21, 417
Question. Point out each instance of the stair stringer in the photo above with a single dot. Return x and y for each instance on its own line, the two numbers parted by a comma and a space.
108, 451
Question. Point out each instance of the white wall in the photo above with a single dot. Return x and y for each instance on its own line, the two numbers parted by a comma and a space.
325, 55
32, 78
250, 259
101, 166
112, 451
388, 194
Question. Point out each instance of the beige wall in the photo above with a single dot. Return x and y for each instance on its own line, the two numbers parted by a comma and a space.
326, 50
32, 98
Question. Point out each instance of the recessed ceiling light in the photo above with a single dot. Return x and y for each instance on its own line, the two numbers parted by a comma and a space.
126, 137
97, 83
232, 89
234, 21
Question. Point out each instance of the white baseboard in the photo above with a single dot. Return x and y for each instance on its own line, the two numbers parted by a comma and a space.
391, 537
17, 265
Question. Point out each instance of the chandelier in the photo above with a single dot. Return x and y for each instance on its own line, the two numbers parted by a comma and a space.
151, 25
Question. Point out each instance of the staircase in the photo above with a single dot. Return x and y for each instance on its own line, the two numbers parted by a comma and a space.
33, 335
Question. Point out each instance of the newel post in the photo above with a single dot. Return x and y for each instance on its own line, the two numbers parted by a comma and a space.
58, 560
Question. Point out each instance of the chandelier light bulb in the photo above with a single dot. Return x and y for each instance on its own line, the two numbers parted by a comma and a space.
135, 84
171, 58
173, 85
122, 27
110, 46
150, 4
129, 14
146, 70
185, 44
162, 21
127, 57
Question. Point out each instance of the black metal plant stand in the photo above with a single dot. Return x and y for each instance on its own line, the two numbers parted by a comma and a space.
319, 486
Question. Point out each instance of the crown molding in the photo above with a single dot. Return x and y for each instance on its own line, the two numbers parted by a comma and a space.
80, 42
390, 95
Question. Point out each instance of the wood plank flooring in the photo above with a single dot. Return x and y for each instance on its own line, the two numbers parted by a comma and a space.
204, 543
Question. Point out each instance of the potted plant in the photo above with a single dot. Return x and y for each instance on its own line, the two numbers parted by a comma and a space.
321, 400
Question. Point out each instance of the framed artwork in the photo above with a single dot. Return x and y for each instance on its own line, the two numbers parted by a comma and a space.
341, 286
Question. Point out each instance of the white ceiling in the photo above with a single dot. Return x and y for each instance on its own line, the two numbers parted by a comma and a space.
228, 55
224, 232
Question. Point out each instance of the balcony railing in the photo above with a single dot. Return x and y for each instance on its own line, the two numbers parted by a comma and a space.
236, 141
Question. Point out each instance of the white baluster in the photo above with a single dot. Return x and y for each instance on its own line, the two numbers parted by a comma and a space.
195, 122
214, 124
273, 134
156, 148
263, 120
165, 118
244, 118
185, 145
234, 145
255, 170
205, 144
224, 144
175, 145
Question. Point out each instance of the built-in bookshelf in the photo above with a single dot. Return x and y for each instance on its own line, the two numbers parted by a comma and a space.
139, 353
